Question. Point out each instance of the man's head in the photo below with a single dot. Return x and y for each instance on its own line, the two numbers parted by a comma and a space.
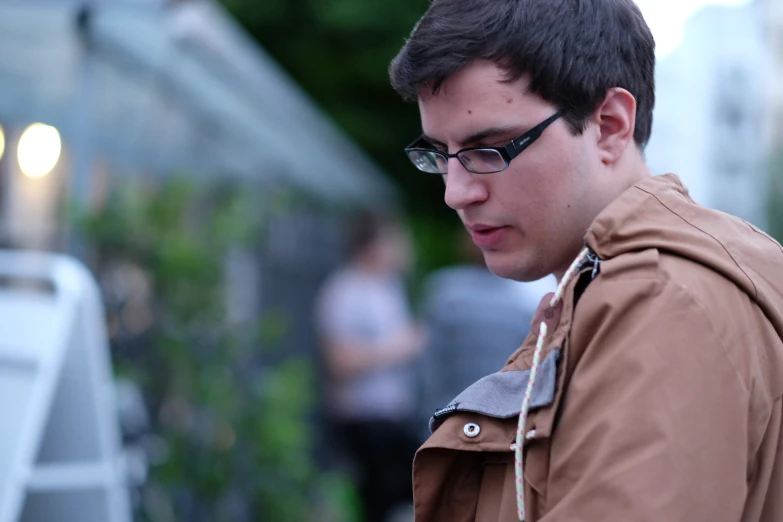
486, 71
380, 243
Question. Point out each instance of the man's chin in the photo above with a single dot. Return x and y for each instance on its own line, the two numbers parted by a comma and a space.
502, 268
506, 268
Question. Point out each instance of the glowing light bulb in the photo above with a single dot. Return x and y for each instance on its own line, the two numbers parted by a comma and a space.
39, 150
2, 142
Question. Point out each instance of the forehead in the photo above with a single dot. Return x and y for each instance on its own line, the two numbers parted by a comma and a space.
475, 98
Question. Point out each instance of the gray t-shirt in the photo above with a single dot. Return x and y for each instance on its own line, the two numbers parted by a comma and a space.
363, 308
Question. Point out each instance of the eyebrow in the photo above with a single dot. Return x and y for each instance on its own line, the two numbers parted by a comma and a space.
482, 135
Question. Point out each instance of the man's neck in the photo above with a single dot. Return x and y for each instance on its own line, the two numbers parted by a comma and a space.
626, 173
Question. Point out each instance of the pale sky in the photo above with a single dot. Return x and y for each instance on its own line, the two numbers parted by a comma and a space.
667, 18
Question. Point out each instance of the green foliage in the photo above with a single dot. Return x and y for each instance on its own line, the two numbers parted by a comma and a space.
436, 246
237, 431
339, 52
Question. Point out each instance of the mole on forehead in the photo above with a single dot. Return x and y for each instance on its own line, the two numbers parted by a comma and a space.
508, 100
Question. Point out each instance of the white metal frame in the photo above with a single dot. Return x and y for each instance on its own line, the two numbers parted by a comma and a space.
63, 456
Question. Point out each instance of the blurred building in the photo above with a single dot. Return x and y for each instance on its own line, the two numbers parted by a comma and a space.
712, 98
147, 89
152, 88
773, 34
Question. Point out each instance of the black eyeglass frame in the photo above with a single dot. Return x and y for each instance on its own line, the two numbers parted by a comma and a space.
508, 152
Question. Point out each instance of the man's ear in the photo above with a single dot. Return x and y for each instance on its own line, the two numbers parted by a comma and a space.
616, 121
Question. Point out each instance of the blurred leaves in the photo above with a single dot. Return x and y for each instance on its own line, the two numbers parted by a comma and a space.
339, 51
236, 428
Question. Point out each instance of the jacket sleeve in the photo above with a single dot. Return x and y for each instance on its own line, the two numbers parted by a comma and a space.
653, 426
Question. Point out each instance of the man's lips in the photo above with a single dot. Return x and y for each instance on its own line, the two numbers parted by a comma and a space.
487, 236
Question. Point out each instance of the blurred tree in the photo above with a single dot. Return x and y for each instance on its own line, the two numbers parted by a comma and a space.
235, 429
339, 52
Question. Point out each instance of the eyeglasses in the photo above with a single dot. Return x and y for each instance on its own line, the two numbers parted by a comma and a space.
478, 160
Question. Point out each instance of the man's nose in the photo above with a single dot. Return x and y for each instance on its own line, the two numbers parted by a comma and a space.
463, 188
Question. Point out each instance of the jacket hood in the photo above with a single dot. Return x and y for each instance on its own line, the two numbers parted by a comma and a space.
658, 213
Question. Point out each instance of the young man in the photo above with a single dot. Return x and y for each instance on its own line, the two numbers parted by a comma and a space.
651, 386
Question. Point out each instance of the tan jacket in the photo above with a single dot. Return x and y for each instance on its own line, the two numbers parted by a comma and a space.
659, 395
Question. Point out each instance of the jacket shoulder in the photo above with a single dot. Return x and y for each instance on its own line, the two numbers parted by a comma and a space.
720, 317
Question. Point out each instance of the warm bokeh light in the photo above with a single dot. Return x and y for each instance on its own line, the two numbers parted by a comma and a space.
2, 142
39, 150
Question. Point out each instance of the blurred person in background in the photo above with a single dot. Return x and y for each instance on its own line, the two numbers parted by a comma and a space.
653, 387
475, 321
370, 343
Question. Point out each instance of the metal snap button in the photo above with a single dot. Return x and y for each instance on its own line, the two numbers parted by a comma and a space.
472, 429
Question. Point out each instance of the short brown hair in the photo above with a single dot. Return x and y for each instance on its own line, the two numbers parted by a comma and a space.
573, 51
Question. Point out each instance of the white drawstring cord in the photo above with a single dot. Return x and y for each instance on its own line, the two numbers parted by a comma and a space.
519, 445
